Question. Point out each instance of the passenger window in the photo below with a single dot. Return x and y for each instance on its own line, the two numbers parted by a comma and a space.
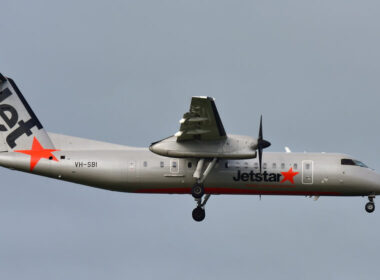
274, 165
307, 166
161, 164
174, 164
295, 166
226, 164
265, 165
246, 164
256, 165
189, 164
145, 164
282, 166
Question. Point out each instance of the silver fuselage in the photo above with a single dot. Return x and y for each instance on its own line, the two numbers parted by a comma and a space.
127, 169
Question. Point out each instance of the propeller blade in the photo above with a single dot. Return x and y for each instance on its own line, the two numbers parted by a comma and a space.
261, 143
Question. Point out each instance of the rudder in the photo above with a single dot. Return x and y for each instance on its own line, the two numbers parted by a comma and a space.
18, 123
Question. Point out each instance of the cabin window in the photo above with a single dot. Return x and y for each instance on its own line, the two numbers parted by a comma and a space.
265, 165
145, 164
237, 164
50, 158
282, 166
226, 164
189, 164
274, 165
174, 164
63, 157
245, 164
307, 166
256, 165
295, 166
162, 164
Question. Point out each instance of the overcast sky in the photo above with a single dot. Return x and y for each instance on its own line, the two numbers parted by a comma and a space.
124, 72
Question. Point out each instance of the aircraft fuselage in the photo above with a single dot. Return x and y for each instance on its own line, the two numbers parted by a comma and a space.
141, 171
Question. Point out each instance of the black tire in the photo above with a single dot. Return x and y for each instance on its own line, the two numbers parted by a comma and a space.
197, 191
370, 207
199, 214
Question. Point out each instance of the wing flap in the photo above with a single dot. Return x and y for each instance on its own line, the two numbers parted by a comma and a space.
202, 122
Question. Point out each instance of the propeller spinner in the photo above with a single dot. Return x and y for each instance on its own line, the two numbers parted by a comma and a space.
261, 142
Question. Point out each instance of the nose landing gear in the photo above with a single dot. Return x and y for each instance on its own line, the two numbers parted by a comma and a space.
370, 206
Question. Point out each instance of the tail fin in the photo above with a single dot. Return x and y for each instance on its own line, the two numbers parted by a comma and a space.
18, 124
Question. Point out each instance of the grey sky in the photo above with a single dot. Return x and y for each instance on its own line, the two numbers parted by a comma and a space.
124, 72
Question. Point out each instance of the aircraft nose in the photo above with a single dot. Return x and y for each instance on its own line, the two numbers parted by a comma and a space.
375, 180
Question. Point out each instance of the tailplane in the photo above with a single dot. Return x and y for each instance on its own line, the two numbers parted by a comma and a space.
19, 125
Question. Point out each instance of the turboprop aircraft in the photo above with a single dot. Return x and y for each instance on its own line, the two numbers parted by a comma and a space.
201, 159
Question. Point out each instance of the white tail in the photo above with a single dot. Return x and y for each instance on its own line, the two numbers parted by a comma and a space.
18, 124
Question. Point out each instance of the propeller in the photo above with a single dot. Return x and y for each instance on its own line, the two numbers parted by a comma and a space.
261, 142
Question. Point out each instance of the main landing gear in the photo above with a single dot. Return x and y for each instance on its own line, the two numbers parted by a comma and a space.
199, 212
370, 206
197, 191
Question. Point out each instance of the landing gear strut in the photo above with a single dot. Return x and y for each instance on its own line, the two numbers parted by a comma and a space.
198, 190
370, 206
199, 212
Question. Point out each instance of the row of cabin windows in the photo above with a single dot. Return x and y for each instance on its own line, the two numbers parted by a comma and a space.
162, 164
265, 165
237, 164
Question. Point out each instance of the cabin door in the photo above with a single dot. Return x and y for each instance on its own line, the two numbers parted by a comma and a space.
307, 172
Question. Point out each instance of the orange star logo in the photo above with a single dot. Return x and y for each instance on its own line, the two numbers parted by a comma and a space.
37, 152
289, 176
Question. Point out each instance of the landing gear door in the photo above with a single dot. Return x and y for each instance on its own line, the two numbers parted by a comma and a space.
307, 172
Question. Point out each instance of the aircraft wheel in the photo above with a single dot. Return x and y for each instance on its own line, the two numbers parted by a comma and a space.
197, 190
199, 214
370, 207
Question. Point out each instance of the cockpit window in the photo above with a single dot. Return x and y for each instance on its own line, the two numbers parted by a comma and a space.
359, 163
354, 162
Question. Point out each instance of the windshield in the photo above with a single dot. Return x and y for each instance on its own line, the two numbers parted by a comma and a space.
354, 162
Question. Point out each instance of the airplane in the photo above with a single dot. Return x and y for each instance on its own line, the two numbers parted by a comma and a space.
201, 159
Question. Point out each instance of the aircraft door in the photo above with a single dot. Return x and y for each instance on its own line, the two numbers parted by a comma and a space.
176, 170
307, 172
174, 166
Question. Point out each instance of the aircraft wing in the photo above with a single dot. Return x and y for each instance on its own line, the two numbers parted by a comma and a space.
202, 122
202, 135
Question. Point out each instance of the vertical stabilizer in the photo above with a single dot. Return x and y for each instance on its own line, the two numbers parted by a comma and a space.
19, 125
